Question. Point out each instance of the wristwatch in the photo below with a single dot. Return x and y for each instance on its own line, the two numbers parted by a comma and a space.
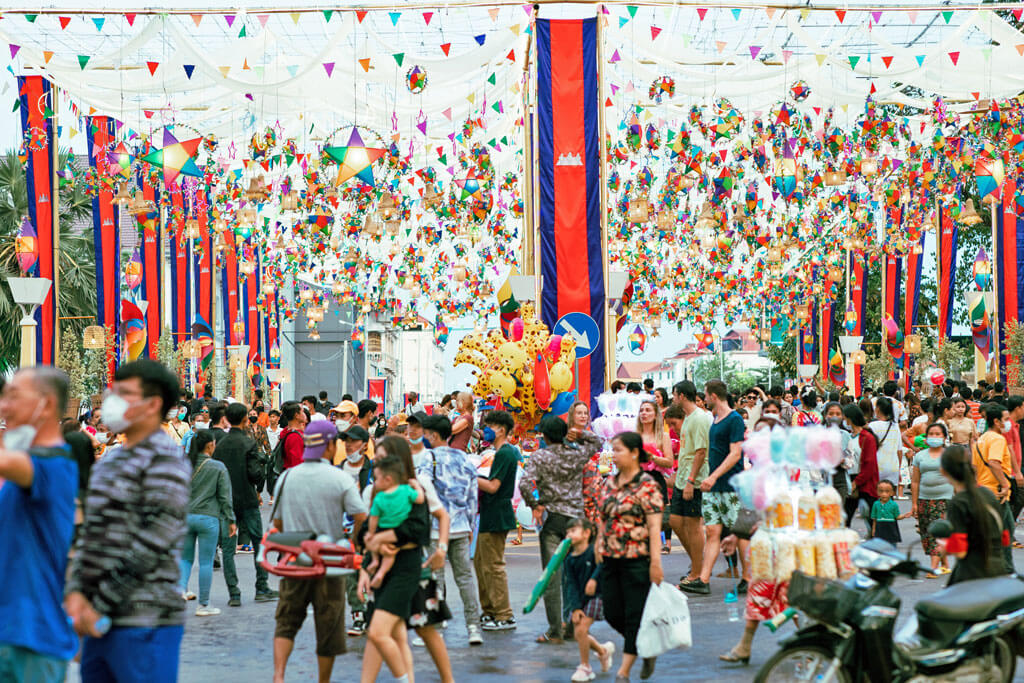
443, 547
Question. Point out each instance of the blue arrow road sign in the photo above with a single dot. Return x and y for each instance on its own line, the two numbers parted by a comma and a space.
583, 329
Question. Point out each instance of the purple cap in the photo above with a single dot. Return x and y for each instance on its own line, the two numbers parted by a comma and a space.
316, 437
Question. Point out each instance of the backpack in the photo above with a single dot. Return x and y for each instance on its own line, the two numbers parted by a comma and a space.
277, 457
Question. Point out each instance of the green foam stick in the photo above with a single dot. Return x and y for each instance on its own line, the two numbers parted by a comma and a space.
553, 566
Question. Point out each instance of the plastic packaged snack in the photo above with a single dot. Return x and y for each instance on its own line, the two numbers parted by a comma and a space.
830, 506
824, 555
843, 541
783, 507
761, 556
808, 510
785, 556
805, 555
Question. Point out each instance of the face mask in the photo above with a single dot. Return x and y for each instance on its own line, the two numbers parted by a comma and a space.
202, 425
489, 434
182, 414
935, 442
102, 437
417, 442
1007, 425
113, 411
834, 421
252, 418
354, 458
342, 425
21, 437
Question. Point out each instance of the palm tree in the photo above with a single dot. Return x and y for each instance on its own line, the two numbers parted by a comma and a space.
77, 257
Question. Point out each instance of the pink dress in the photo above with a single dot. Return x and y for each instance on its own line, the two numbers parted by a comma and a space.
650, 465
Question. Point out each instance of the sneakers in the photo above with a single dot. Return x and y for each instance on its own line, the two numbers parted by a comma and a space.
266, 596
475, 637
188, 595
742, 586
235, 601
490, 624
207, 611
244, 550
583, 673
697, 587
358, 626
606, 658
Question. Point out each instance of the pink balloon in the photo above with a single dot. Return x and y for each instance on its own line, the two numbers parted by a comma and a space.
516, 329
555, 346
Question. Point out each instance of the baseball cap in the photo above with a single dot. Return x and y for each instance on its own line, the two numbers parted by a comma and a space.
418, 417
316, 437
347, 407
355, 433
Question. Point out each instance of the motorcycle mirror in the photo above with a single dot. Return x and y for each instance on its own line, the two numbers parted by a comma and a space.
940, 528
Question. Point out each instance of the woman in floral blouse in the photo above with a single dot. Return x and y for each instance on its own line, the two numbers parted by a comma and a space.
629, 544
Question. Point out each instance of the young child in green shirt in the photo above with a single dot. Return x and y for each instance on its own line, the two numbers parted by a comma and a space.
392, 503
885, 514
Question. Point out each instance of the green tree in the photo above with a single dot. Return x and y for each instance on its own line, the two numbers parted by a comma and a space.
77, 257
783, 360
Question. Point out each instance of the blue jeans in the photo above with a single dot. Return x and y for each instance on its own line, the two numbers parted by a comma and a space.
206, 530
20, 664
133, 655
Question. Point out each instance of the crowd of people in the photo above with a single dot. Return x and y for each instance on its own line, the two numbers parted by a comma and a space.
107, 515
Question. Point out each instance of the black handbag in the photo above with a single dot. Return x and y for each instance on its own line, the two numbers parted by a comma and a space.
746, 523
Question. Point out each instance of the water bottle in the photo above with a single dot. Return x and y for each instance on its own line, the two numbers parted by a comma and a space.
732, 606
103, 624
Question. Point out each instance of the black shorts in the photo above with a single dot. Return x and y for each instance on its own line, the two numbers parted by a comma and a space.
686, 508
399, 586
327, 595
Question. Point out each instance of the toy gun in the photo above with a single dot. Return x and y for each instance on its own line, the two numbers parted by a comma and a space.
304, 555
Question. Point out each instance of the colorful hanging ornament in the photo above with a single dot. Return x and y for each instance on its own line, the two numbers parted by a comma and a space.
416, 79
355, 159
637, 341
175, 158
800, 90
26, 246
663, 88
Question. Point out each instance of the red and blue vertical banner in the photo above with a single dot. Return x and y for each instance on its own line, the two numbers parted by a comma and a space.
1008, 264
948, 234
250, 292
35, 100
859, 304
229, 288
569, 180
912, 300
825, 336
106, 232
152, 265
181, 269
204, 260
377, 390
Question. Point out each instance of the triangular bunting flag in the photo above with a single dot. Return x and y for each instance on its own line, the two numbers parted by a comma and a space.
224, 70
131, 19
920, 59
83, 60
720, 44
196, 18
47, 56
702, 12
399, 57
360, 15
14, 49
445, 47
853, 61
189, 68
754, 50
365, 63
329, 68
230, 18
64, 21
887, 60
954, 57
820, 59
427, 16
395, 16
947, 16
295, 17
632, 11
152, 67
328, 13
654, 32
840, 15
492, 79
511, 56
1020, 49
480, 39
98, 21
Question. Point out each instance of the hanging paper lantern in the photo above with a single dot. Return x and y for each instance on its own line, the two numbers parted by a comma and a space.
26, 246
800, 90
980, 332
416, 79
661, 89
637, 341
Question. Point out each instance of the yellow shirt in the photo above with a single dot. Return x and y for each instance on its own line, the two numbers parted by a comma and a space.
991, 446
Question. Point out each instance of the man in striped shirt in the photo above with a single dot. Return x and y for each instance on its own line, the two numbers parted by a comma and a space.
126, 562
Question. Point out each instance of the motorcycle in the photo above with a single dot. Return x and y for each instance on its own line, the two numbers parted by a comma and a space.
970, 632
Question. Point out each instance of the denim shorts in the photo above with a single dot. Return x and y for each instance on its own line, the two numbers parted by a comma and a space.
21, 664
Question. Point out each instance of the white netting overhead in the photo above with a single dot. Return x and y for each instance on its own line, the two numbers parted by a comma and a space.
229, 74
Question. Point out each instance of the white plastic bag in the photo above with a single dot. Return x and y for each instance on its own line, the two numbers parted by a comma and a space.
665, 624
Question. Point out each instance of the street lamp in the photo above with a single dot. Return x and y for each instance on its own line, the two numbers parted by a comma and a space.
29, 293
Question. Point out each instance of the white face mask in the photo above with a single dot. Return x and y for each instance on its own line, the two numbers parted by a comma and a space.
202, 425
1007, 425
342, 425
20, 438
102, 437
113, 411
354, 458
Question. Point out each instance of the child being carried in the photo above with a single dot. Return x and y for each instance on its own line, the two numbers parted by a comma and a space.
392, 503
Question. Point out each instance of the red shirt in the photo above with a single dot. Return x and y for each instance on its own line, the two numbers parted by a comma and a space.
866, 480
291, 443
1013, 439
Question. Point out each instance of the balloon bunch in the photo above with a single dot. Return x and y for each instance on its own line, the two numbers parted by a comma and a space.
529, 371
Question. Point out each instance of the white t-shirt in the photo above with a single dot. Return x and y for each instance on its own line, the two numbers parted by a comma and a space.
889, 440
273, 435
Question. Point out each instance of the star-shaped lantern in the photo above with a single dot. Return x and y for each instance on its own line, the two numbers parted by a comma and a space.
355, 159
175, 158
470, 186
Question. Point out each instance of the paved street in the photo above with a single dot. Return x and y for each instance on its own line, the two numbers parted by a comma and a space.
237, 645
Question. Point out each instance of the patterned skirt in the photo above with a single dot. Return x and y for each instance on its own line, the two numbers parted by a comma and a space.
929, 511
765, 599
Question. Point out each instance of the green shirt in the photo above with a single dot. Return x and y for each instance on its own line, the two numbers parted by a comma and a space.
696, 426
885, 512
496, 512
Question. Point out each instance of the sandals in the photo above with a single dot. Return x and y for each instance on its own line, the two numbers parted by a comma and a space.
516, 541
549, 638
734, 658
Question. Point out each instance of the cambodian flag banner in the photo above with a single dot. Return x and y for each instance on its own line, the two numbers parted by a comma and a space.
569, 180
948, 234
1008, 265
106, 233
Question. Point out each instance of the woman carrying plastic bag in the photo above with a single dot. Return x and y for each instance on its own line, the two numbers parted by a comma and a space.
665, 624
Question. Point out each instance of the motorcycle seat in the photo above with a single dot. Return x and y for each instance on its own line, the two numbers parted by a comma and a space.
973, 600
